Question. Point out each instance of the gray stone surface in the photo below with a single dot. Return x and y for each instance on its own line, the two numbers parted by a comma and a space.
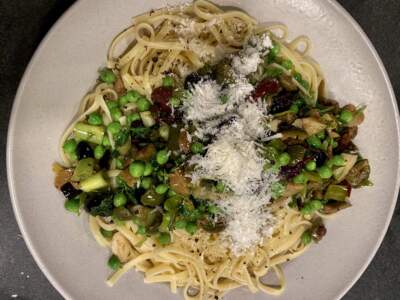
23, 23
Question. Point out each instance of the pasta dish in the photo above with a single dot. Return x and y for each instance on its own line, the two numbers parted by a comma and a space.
207, 154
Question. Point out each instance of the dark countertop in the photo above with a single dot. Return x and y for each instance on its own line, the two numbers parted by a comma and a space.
22, 26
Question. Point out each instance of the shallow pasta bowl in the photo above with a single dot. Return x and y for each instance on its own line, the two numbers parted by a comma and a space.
63, 69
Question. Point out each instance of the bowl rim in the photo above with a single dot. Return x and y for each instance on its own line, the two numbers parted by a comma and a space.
18, 98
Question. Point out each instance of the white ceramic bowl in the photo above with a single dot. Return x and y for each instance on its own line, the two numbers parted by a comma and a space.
64, 68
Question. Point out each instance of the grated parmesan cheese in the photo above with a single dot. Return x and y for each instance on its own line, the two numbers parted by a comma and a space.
233, 161
251, 56
234, 157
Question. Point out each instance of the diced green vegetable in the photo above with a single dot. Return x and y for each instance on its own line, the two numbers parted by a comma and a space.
99, 151
151, 198
84, 169
94, 182
90, 133
164, 132
147, 118
336, 192
172, 203
166, 222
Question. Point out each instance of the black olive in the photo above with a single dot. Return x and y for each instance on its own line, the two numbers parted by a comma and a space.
285, 126
319, 157
69, 191
282, 102
104, 162
83, 150
192, 79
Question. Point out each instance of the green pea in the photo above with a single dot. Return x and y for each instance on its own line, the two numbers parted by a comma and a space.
297, 76
180, 224
69, 146
164, 238
273, 72
346, 116
162, 188
224, 98
141, 230
321, 135
325, 172
307, 209
146, 183
143, 104
132, 117
119, 199
197, 147
99, 151
220, 187
106, 233
284, 159
316, 204
72, 205
95, 119
294, 108
175, 101
314, 141
136, 169
213, 209
112, 104
162, 157
107, 75
287, 64
338, 161
114, 127
191, 228
171, 193
115, 113
306, 237
168, 81
114, 263
123, 100
132, 96
148, 169
300, 179
311, 166
277, 189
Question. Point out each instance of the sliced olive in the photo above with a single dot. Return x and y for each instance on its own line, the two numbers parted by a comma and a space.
122, 213
151, 198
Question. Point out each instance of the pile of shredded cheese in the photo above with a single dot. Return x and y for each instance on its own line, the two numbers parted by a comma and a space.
233, 156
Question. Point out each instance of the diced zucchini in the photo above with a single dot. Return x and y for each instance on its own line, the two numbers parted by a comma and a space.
93, 183
84, 169
147, 118
336, 192
90, 133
